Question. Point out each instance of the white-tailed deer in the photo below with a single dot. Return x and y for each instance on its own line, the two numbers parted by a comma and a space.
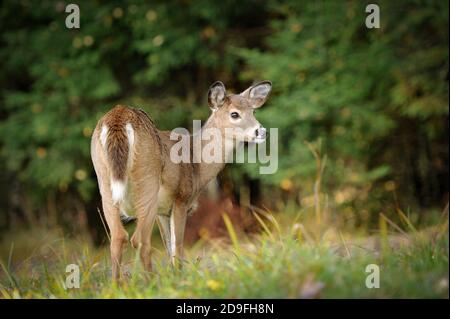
136, 175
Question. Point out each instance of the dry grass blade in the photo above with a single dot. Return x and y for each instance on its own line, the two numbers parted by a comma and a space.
406, 220
345, 245
103, 223
10, 255
264, 226
320, 167
269, 216
231, 231
390, 222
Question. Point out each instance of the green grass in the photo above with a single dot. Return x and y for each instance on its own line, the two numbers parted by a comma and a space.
281, 262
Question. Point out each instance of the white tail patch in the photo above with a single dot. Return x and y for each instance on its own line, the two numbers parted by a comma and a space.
130, 134
103, 135
118, 191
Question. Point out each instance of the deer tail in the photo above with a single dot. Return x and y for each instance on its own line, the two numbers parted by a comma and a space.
118, 142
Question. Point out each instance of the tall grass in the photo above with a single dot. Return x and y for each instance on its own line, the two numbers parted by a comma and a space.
284, 261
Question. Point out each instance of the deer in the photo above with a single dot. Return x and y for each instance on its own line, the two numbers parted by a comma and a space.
138, 181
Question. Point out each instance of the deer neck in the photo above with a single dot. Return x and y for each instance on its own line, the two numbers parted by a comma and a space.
209, 170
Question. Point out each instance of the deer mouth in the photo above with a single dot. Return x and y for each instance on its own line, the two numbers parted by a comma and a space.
259, 139
260, 136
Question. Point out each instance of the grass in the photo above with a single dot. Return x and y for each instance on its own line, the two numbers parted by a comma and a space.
291, 260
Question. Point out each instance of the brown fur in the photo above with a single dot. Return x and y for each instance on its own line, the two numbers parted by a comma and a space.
117, 140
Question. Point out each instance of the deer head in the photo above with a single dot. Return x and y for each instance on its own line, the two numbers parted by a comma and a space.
236, 111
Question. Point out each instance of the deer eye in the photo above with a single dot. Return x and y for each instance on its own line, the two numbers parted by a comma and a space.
234, 115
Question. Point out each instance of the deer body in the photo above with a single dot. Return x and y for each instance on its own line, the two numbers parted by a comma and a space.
135, 173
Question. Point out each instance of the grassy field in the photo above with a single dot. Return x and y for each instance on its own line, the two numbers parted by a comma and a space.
286, 260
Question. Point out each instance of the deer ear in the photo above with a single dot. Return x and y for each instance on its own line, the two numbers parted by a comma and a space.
258, 93
216, 95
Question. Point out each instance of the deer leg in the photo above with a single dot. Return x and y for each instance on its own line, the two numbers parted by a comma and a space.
146, 208
164, 228
177, 226
119, 236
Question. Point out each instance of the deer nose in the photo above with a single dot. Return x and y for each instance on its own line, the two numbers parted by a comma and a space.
261, 132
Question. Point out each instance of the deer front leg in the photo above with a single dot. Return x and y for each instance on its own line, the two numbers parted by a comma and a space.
177, 226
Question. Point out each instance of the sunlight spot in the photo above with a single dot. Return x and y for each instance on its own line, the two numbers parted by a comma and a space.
80, 174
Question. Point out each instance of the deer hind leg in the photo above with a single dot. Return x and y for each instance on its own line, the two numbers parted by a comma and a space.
177, 226
119, 236
146, 208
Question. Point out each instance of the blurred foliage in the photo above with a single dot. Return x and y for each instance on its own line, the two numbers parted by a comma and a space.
376, 100
359, 92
